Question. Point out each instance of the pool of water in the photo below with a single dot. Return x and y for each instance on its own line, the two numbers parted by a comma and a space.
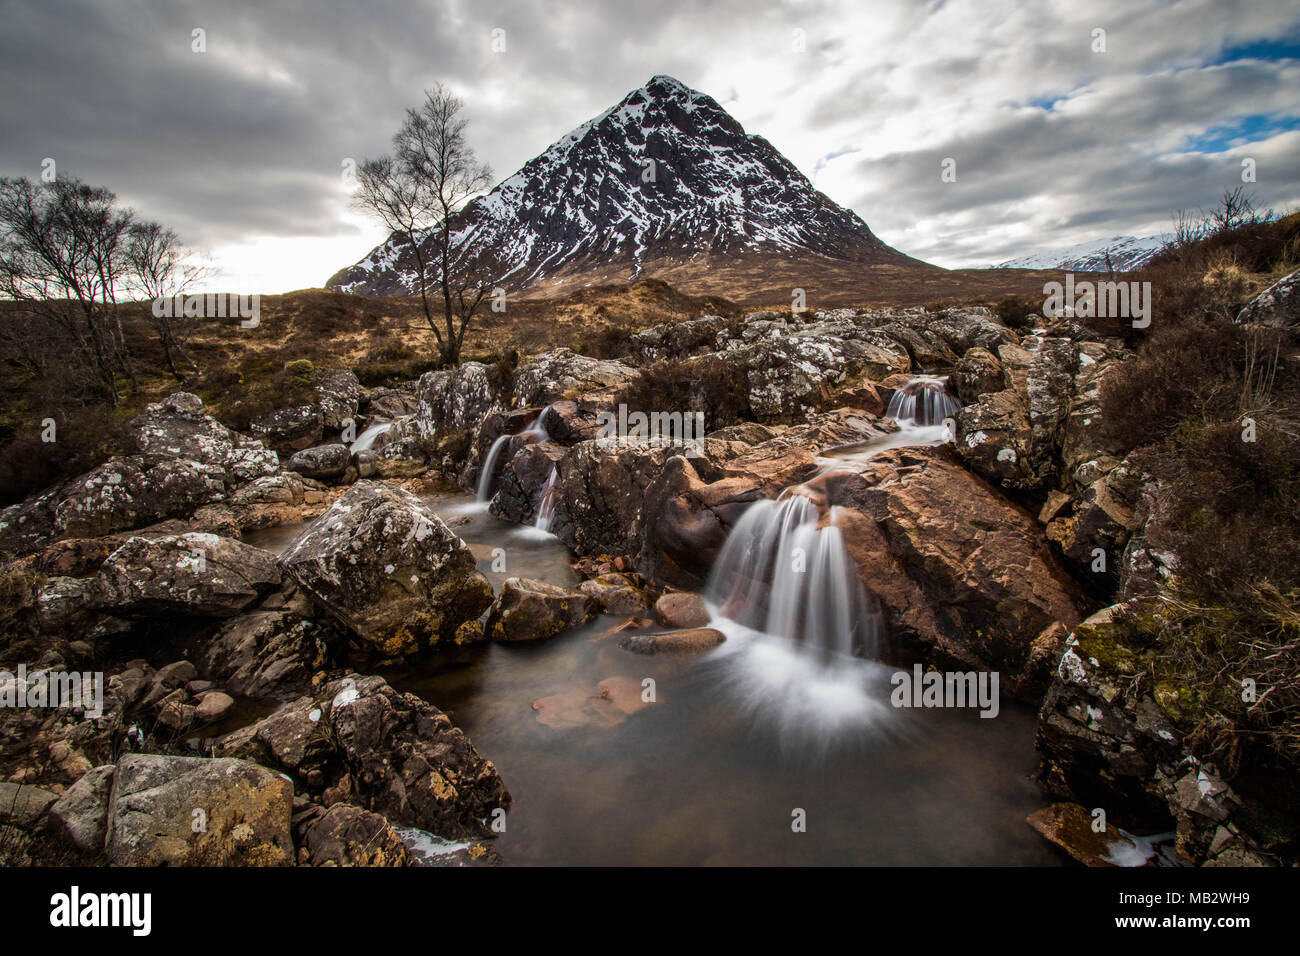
616, 758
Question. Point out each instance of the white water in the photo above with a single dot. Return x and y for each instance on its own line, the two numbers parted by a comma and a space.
546, 504
923, 401
366, 440
533, 433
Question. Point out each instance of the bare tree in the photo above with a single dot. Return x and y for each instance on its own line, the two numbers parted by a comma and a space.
158, 267
60, 257
417, 192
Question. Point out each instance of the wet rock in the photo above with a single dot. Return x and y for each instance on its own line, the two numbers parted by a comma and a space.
965, 575
520, 487
323, 462
614, 700
245, 808
1070, 827
267, 653
618, 594
682, 609
381, 562
200, 574
693, 641
529, 610
390, 753
80, 817
345, 835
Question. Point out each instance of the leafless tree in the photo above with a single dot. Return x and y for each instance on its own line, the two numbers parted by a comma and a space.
417, 192
159, 266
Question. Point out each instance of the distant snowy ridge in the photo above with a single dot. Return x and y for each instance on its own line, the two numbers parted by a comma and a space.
1126, 252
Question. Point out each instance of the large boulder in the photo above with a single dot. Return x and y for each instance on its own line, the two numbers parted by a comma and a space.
338, 396
529, 610
965, 576
322, 462
177, 427
190, 811
458, 399
194, 573
80, 817
290, 429
561, 373
359, 741
382, 563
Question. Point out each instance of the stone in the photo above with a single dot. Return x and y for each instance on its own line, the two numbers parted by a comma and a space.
345, 835
322, 462
529, 610
682, 609
693, 641
80, 817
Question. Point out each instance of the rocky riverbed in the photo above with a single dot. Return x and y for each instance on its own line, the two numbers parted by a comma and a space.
327, 649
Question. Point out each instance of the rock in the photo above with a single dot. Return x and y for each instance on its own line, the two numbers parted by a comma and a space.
1277, 306
682, 609
1069, 826
457, 399
213, 706
529, 610
522, 484
178, 428
693, 641
964, 575
200, 574
268, 653
80, 817
22, 805
979, 372
616, 699
338, 396
678, 339
290, 429
323, 462
390, 753
390, 404
156, 800
381, 562
560, 373
618, 594
348, 836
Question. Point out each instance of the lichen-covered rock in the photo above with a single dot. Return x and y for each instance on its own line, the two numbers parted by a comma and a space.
178, 428
157, 801
529, 610
267, 653
381, 562
458, 399
321, 462
345, 835
677, 340
201, 574
290, 429
338, 396
561, 373
1278, 305
978, 373
359, 741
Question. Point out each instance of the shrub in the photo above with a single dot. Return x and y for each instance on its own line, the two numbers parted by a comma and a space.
707, 384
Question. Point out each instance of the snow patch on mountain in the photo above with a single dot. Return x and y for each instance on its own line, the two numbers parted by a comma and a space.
1126, 252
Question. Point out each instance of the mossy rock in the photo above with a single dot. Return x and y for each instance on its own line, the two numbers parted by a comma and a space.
300, 367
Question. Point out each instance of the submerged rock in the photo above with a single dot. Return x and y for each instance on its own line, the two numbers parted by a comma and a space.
694, 641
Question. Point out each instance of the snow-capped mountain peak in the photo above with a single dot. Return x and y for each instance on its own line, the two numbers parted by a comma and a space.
1124, 252
666, 174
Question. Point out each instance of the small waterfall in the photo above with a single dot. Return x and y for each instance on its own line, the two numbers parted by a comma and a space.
546, 503
366, 440
783, 573
924, 401
533, 433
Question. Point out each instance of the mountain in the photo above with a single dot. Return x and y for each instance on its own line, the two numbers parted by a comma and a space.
664, 184
1126, 252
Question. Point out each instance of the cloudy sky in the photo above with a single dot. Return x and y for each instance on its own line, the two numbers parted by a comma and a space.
241, 147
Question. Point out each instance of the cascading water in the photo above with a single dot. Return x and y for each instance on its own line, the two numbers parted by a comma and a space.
366, 440
924, 401
533, 433
784, 573
546, 504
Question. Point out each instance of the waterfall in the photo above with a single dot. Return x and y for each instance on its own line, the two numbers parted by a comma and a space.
784, 573
533, 433
546, 503
366, 440
923, 401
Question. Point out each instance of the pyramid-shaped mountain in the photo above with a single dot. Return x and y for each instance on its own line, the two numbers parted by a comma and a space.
666, 183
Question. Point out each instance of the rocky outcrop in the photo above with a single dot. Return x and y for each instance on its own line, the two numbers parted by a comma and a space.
458, 399
189, 811
359, 741
338, 396
561, 373
530, 610
267, 653
178, 428
345, 835
382, 563
965, 576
